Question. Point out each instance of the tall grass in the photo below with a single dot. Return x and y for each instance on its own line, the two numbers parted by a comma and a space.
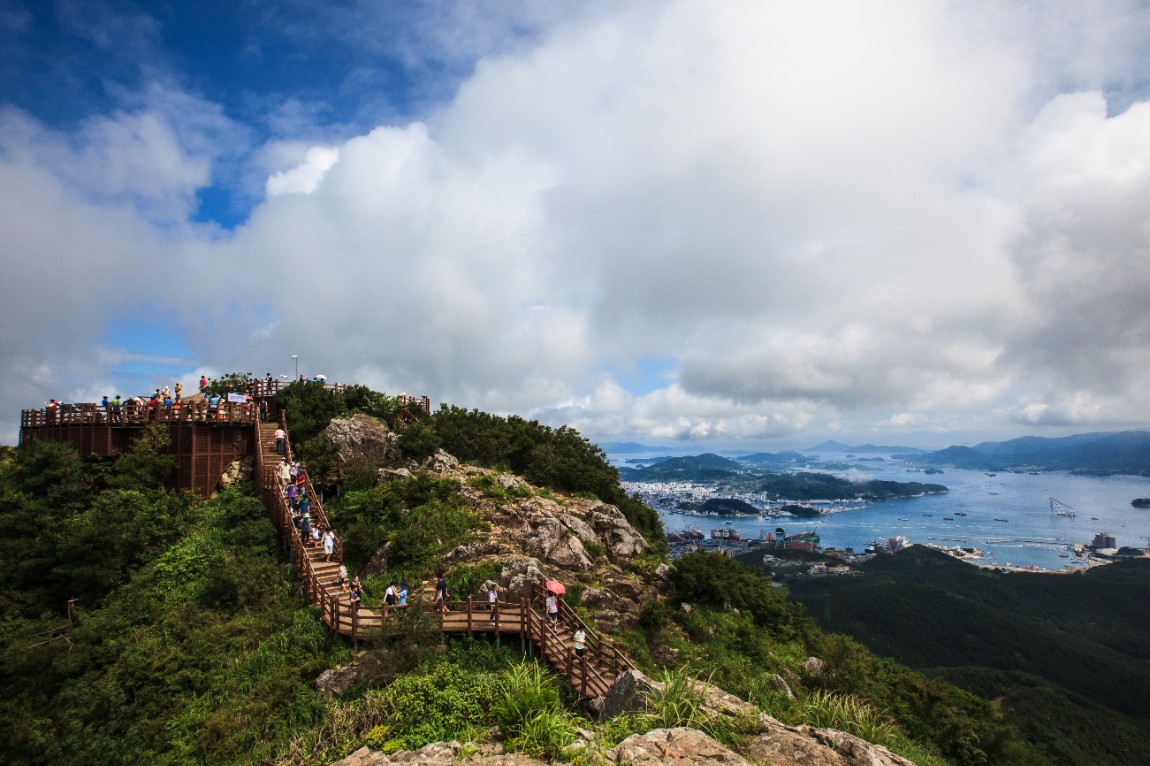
830, 710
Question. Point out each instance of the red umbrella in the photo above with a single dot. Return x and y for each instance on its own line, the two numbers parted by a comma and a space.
555, 587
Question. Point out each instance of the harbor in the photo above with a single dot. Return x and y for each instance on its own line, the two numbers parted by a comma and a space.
974, 514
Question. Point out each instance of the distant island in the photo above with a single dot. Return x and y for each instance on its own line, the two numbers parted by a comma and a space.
741, 478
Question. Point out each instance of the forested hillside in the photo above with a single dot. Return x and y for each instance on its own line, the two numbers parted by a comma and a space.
1069, 648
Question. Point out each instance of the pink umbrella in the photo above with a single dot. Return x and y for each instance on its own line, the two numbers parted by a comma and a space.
555, 587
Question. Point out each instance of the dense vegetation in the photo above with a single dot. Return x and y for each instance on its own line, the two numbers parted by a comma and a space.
144, 626
1068, 648
740, 631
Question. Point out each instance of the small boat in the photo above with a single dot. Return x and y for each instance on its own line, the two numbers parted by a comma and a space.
948, 518
1007, 521
959, 513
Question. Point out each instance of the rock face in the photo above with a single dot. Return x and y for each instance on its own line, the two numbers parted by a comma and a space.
363, 437
785, 745
776, 744
628, 694
441, 462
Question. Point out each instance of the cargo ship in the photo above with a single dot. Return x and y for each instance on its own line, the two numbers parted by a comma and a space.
803, 541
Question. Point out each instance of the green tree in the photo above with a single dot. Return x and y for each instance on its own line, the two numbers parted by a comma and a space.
148, 463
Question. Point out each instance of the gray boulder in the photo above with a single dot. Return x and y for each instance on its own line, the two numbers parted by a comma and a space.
363, 437
677, 747
520, 575
337, 681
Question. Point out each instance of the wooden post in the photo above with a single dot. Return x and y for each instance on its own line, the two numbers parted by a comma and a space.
355, 625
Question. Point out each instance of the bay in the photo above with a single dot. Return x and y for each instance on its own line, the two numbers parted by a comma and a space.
1101, 504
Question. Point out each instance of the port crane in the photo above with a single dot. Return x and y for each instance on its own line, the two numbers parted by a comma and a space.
1059, 508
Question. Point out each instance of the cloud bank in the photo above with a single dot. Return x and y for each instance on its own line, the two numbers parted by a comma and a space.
869, 219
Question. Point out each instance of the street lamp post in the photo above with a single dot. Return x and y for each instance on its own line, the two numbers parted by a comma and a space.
295, 358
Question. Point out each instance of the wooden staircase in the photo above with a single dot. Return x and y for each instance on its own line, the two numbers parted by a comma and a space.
592, 674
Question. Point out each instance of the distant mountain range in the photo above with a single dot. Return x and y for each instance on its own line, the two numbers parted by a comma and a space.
1124, 452
833, 446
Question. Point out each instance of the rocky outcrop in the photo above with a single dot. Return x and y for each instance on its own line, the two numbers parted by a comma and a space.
785, 745
551, 541
629, 694
673, 747
438, 754
580, 528
620, 539
392, 474
774, 743
377, 564
440, 462
814, 667
363, 437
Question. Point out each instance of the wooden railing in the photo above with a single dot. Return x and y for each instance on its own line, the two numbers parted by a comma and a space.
594, 672
199, 411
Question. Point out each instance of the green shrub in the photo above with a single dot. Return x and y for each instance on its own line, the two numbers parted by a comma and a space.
443, 704
467, 579
526, 689
654, 616
490, 488
545, 734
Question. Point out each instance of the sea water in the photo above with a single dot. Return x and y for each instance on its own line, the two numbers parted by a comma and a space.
1031, 535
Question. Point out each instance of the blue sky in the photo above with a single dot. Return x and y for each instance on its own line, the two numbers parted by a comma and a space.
731, 224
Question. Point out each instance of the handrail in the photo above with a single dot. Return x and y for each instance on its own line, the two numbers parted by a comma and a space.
199, 411
185, 410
